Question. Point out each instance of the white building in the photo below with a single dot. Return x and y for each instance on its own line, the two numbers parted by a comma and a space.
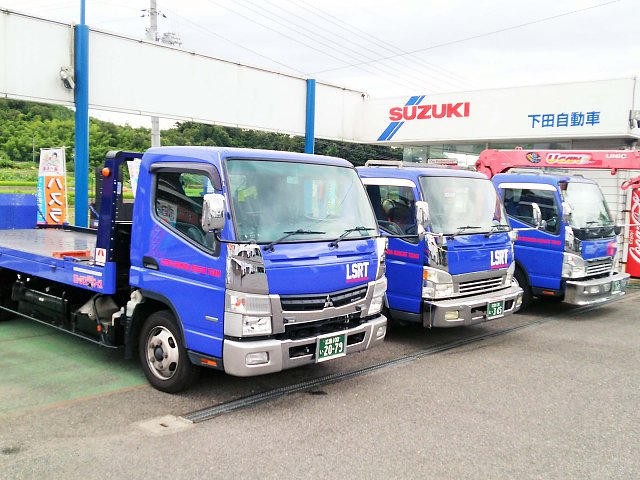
585, 115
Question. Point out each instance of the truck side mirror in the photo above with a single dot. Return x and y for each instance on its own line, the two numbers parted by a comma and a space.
617, 229
422, 217
537, 214
212, 212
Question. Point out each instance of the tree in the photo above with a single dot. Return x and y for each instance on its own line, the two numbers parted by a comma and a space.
26, 125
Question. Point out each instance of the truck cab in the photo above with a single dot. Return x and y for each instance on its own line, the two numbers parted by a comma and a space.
247, 261
450, 254
573, 255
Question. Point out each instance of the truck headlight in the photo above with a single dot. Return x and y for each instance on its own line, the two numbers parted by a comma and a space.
246, 314
436, 283
573, 266
375, 307
509, 277
382, 244
616, 265
255, 325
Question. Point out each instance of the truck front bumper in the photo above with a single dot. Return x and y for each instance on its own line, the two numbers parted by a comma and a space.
285, 354
599, 290
470, 310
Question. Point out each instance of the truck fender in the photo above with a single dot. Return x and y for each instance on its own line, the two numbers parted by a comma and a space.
523, 270
145, 303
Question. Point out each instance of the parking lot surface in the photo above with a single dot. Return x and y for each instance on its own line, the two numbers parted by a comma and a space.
557, 398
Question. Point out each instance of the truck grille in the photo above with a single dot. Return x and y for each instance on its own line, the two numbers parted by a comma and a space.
299, 303
296, 331
478, 286
599, 267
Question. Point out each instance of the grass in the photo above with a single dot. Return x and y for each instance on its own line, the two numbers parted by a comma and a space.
18, 183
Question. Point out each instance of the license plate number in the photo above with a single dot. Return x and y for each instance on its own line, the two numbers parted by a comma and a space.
495, 309
615, 286
331, 346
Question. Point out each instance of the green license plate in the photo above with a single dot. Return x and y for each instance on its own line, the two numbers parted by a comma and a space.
495, 309
331, 346
615, 286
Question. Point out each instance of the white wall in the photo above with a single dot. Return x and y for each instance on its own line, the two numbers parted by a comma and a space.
504, 114
32, 51
135, 76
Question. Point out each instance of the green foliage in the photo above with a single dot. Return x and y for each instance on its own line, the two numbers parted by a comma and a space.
13, 175
27, 127
17, 183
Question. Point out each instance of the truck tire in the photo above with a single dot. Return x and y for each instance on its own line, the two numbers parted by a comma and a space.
523, 283
163, 357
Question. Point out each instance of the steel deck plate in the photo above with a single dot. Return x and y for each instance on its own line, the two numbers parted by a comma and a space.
46, 241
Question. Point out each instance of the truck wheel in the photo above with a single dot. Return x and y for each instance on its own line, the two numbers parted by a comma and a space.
527, 296
163, 357
390, 322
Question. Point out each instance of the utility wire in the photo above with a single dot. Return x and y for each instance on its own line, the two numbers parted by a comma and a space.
228, 40
473, 37
343, 46
413, 84
386, 45
358, 65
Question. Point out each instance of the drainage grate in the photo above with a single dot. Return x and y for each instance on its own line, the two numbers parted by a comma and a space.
228, 407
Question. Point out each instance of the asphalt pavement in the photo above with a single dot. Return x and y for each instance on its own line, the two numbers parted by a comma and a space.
557, 398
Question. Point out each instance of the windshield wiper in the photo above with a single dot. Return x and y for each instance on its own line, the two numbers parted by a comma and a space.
499, 225
334, 243
300, 231
592, 224
467, 227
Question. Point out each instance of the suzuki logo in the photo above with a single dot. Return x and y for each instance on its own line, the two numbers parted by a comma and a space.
413, 110
423, 112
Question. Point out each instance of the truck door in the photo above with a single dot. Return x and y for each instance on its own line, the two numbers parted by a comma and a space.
393, 202
538, 252
181, 263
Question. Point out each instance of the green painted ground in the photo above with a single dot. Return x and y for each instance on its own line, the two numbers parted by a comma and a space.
40, 366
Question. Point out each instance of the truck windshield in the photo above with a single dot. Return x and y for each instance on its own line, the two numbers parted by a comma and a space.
275, 199
589, 208
460, 205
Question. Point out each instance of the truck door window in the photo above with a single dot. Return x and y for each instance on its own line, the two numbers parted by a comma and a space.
178, 203
394, 207
518, 204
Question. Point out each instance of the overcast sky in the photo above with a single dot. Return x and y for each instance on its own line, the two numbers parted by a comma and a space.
406, 47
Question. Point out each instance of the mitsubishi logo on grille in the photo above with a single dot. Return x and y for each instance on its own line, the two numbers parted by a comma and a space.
327, 302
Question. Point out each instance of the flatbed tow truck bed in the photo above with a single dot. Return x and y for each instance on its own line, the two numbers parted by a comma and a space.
48, 242
59, 254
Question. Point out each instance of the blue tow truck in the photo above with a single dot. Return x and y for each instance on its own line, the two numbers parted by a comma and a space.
572, 256
247, 261
450, 254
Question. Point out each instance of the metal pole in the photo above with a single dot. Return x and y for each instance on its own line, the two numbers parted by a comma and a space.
152, 35
81, 77
309, 135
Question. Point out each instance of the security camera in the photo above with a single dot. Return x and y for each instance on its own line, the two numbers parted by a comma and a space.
67, 78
